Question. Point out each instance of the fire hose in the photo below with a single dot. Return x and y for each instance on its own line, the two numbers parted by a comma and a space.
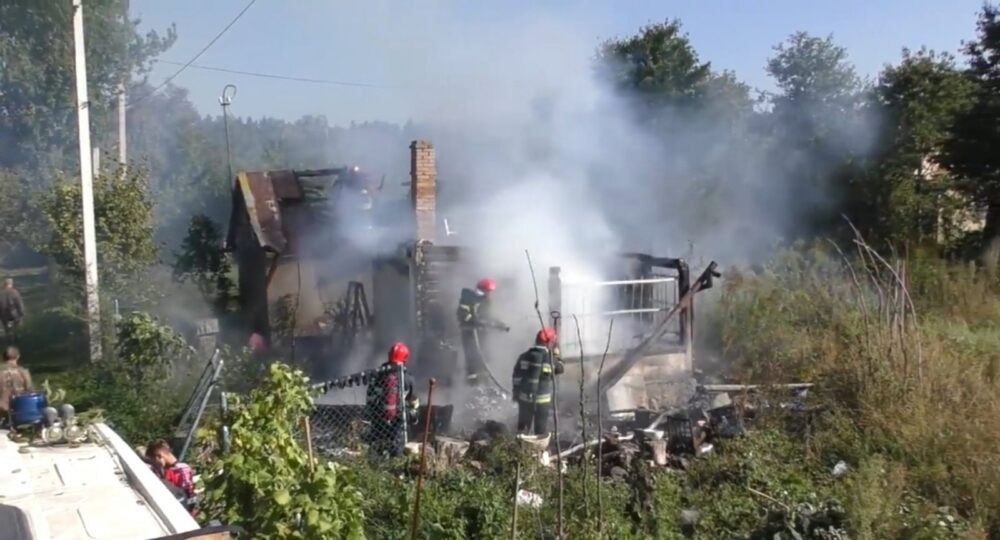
486, 365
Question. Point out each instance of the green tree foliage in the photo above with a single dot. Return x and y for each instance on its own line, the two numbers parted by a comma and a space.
148, 349
124, 228
920, 98
972, 151
185, 156
141, 387
202, 260
19, 221
660, 67
37, 97
659, 63
818, 126
266, 484
670, 90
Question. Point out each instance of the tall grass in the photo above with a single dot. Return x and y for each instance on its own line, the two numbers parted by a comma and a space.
906, 350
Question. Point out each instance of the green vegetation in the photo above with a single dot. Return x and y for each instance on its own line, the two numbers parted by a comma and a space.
267, 483
913, 385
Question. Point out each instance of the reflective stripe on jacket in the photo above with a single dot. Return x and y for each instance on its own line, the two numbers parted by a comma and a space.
533, 375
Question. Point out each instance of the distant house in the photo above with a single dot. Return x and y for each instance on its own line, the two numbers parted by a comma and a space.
957, 215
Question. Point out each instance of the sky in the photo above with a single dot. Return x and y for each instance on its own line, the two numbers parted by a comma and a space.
405, 49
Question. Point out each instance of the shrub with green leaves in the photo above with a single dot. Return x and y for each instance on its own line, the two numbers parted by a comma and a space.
136, 387
266, 483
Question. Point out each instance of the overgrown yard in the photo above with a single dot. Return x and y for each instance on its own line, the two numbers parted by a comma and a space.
911, 393
909, 374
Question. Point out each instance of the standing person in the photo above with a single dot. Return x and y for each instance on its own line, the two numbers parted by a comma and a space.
14, 379
387, 416
473, 315
534, 383
11, 308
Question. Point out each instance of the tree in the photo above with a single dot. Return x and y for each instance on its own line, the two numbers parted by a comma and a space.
202, 260
972, 151
697, 119
123, 215
660, 68
185, 155
920, 99
37, 98
659, 64
819, 127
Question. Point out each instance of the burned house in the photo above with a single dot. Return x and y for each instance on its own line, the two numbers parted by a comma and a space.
286, 229
288, 245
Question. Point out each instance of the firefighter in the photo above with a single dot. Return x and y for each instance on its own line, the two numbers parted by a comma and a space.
473, 315
534, 383
388, 421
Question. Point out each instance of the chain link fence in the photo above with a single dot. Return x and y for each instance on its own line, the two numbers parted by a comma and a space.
364, 413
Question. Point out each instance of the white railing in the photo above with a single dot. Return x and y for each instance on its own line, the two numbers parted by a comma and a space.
636, 306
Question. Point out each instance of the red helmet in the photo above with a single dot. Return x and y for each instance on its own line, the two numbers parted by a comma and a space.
486, 285
546, 336
399, 353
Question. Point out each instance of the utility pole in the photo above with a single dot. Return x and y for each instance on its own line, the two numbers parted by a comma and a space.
86, 186
122, 142
226, 99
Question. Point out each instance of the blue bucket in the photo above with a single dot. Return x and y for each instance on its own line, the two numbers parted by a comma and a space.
26, 409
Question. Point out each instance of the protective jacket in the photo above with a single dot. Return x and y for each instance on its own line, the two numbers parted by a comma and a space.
469, 305
383, 395
474, 312
533, 375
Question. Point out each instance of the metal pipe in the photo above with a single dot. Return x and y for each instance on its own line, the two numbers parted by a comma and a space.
619, 282
748, 387
517, 488
226, 100
201, 407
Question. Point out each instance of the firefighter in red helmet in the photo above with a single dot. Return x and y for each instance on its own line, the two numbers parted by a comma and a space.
474, 315
534, 383
388, 415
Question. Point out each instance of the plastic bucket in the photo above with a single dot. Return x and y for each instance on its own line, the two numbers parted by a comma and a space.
26, 409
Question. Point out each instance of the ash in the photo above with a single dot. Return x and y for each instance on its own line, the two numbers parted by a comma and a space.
487, 402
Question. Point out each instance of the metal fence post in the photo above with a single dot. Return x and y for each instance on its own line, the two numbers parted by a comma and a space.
402, 402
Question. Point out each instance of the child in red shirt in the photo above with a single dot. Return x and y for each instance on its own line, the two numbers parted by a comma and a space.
176, 473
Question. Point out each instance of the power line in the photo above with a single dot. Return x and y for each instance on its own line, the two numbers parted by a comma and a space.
279, 77
201, 52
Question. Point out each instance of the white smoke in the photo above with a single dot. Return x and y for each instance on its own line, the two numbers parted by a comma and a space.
536, 153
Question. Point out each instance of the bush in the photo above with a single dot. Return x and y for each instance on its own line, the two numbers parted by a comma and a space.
266, 484
137, 388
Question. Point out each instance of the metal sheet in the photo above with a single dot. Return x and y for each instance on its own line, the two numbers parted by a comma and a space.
262, 206
285, 185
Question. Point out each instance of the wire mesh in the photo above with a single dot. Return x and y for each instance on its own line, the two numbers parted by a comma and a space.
365, 413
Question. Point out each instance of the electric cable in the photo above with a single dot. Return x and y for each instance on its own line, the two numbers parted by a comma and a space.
195, 57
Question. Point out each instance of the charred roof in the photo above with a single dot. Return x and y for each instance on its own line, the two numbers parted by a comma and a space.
266, 196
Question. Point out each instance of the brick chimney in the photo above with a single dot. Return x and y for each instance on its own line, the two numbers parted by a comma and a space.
423, 188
